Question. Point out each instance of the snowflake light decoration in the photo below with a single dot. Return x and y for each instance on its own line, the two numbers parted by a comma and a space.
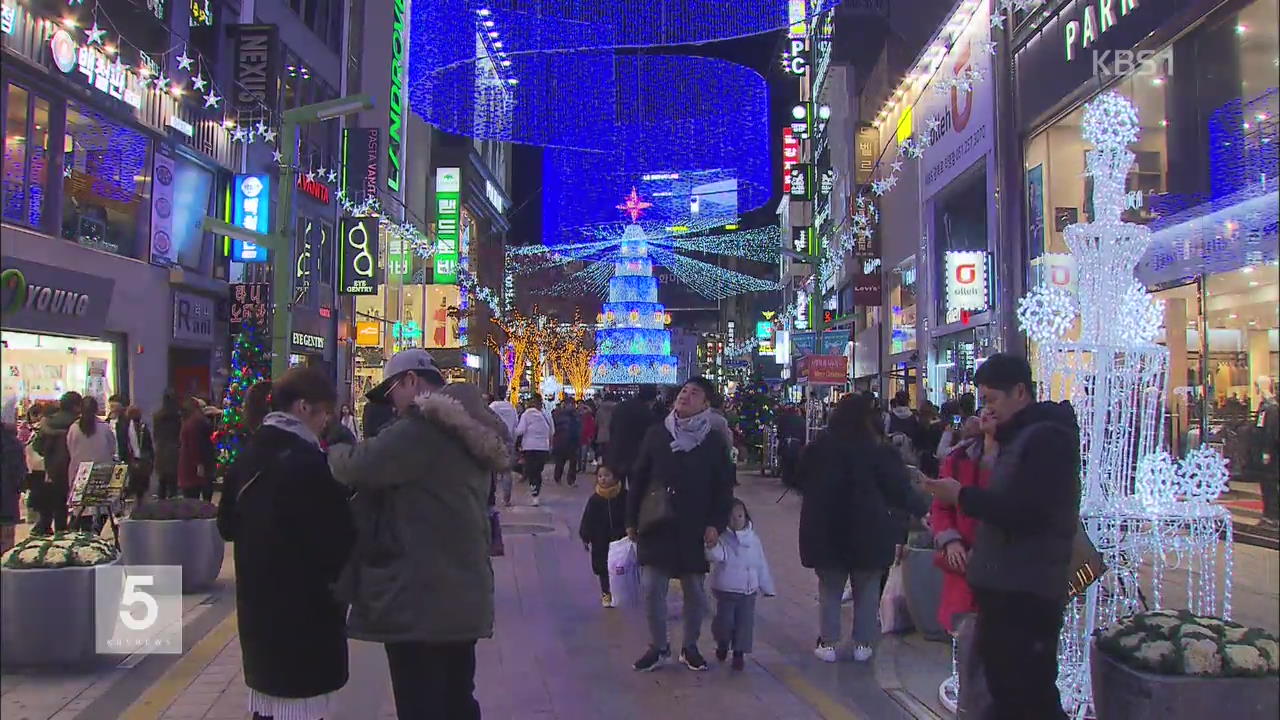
1203, 475
1141, 316
1047, 313
1155, 484
1111, 122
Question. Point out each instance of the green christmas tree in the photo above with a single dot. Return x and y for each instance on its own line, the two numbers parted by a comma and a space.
755, 409
250, 365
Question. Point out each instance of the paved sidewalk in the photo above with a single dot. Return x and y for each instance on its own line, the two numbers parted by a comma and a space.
557, 655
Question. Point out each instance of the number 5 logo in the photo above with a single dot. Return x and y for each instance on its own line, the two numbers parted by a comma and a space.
134, 596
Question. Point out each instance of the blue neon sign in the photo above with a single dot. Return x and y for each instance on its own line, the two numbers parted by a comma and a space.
251, 210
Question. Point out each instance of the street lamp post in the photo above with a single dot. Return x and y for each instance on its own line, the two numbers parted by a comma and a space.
277, 241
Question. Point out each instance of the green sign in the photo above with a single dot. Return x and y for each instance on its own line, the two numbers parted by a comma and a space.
395, 119
448, 212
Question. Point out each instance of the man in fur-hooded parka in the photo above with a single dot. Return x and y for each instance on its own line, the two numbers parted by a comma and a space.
420, 571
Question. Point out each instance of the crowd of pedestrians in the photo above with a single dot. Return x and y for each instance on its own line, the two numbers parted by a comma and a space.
382, 530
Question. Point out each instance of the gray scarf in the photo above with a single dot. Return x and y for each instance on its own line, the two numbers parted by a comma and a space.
688, 433
289, 423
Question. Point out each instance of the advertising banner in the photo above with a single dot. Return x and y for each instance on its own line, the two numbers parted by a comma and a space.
368, 333
358, 256
192, 317
965, 131
48, 299
823, 369
164, 251
966, 280
360, 163
441, 327
251, 210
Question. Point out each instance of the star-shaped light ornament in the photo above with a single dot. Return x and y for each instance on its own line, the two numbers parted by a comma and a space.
997, 20
184, 62
162, 82
94, 34
933, 123
877, 187
342, 196
211, 100
269, 135
897, 166
261, 129
198, 82
322, 171
988, 47
333, 176
311, 176
277, 156
238, 134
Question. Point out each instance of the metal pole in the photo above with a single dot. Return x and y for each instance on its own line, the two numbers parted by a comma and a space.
281, 277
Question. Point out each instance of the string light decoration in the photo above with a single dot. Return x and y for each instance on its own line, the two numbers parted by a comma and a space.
607, 249
250, 365
1139, 505
544, 73
529, 338
633, 344
572, 357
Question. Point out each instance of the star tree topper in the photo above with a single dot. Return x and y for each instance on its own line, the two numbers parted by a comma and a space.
634, 206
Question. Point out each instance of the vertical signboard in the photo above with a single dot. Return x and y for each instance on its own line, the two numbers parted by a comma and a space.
790, 156
164, 250
257, 69
251, 210
250, 305
395, 102
966, 280
360, 163
357, 264
448, 202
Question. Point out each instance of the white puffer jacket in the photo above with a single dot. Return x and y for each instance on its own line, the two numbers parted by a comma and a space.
534, 430
738, 564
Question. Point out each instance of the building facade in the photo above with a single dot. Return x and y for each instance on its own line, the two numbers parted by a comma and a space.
112, 159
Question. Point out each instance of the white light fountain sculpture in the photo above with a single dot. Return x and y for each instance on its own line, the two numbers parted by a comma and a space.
1140, 506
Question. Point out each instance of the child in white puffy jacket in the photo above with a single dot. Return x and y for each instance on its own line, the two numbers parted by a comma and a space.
739, 571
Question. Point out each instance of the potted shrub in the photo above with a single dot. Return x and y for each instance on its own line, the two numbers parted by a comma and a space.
47, 599
922, 581
176, 531
1170, 665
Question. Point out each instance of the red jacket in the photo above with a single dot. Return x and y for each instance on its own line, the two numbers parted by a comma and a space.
194, 452
588, 429
950, 523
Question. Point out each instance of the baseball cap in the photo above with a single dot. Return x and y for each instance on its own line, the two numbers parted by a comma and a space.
402, 362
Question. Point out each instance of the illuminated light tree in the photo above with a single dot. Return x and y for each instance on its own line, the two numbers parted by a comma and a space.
571, 357
755, 408
250, 365
529, 337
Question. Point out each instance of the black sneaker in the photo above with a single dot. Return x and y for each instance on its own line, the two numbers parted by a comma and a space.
692, 659
722, 652
652, 659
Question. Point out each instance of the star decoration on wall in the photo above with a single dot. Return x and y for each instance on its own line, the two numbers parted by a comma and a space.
198, 83
988, 46
933, 123
184, 62
277, 156
333, 176
94, 34
211, 100
269, 135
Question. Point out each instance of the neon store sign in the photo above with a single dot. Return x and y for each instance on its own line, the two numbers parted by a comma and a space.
1078, 35
109, 76
448, 211
251, 210
395, 119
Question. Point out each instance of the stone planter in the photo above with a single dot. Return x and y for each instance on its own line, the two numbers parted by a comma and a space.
1122, 693
922, 581
47, 617
193, 544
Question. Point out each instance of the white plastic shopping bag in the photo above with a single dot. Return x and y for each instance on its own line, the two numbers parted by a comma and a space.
624, 573
894, 615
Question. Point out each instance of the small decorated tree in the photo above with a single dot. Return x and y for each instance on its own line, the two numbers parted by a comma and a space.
250, 365
755, 410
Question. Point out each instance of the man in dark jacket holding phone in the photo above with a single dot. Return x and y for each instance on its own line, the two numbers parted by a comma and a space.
1029, 516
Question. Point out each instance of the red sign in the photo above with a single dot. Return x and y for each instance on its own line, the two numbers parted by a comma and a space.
314, 188
790, 156
823, 369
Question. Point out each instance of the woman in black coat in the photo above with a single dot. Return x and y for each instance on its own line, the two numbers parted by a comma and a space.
684, 457
852, 484
292, 532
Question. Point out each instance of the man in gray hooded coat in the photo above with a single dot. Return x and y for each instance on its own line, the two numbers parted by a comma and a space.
420, 581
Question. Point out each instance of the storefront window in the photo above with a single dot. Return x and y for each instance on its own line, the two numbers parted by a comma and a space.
26, 153
40, 368
902, 302
960, 225
105, 182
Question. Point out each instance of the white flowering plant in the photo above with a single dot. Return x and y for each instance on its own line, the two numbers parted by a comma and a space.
59, 550
1176, 642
